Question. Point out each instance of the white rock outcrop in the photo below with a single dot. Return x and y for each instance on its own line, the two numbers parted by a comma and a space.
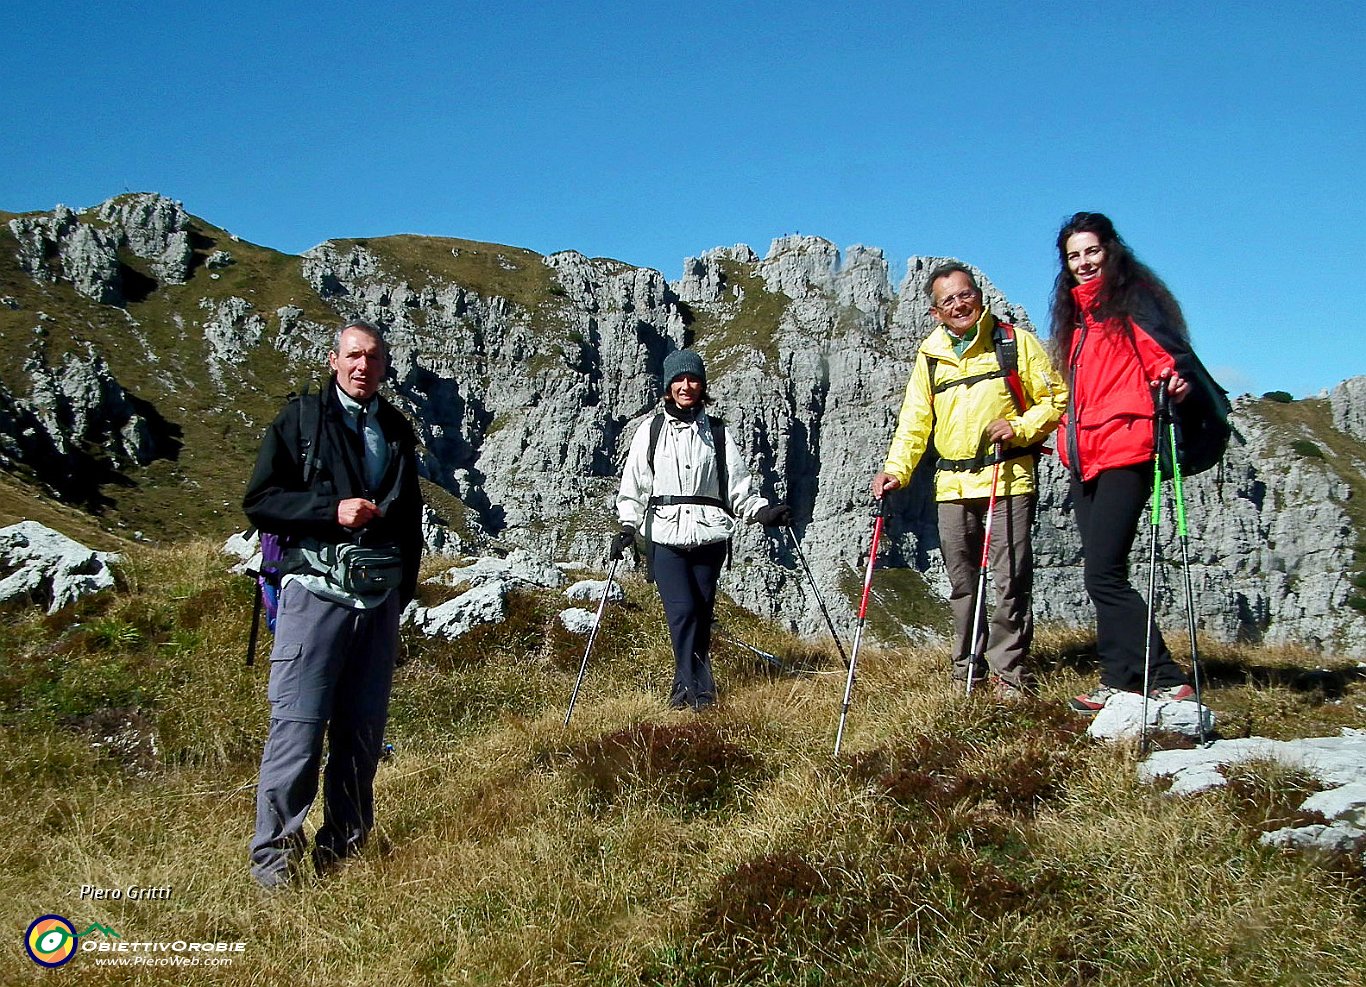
593, 590
45, 566
1337, 762
577, 620
481, 604
1122, 718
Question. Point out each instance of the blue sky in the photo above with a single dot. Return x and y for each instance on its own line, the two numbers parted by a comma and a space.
1226, 140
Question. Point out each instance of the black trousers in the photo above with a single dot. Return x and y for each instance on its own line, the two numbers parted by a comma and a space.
686, 579
1109, 507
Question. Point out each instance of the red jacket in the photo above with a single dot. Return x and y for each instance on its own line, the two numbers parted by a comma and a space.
1109, 417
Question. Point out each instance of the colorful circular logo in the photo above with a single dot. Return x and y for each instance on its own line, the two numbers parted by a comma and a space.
50, 941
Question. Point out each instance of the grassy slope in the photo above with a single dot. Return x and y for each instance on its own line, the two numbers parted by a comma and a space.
729, 331
219, 427
953, 843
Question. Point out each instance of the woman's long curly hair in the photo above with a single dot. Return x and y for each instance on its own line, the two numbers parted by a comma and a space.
1123, 277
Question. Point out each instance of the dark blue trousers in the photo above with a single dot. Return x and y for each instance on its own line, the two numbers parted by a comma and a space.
686, 579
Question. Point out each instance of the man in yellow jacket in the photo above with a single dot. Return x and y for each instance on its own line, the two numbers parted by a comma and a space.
978, 413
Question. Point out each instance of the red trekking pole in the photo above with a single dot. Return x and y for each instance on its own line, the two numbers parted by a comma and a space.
977, 644
862, 621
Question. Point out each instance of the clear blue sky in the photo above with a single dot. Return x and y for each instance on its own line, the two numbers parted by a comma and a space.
1226, 140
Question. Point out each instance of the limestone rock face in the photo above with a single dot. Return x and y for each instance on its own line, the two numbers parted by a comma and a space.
231, 326
1348, 403
155, 228
69, 410
522, 407
39, 564
525, 377
1268, 533
84, 247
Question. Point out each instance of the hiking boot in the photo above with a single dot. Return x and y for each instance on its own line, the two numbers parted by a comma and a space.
1003, 692
1094, 701
1173, 694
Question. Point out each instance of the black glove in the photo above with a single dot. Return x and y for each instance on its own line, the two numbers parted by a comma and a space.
774, 516
624, 539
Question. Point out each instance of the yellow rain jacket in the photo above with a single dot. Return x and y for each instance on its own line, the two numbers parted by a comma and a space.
959, 415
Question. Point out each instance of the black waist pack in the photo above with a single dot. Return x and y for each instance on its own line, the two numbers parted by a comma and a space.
366, 570
361, 570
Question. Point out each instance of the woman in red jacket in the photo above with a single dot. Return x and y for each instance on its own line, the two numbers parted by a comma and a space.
1120, 335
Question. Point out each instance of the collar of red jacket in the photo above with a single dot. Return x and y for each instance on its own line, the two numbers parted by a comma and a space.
1085, 294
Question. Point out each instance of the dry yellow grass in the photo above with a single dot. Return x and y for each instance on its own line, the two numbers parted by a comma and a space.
954, 842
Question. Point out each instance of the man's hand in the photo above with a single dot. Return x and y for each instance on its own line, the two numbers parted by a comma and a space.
356, 512
1000, 431
884, 482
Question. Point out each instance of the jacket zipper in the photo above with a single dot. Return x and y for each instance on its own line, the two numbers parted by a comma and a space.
1073, 445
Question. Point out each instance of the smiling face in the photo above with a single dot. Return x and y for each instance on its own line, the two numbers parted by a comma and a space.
359, 364
686, 390
957, 304
1084, 255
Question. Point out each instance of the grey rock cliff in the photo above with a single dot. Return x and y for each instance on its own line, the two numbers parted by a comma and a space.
526, 376
72, 409
83, 248
1348, 403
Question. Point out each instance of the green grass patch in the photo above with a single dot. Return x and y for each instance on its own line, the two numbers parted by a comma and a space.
901, 600
746, 319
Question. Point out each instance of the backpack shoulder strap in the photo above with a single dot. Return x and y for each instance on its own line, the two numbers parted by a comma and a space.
310, 432
1008, 359
718, 441
656, 426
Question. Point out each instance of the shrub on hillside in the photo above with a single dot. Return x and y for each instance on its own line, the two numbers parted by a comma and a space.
693, 764
1016, 760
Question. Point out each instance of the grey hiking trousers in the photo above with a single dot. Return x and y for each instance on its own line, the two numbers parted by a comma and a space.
331, 669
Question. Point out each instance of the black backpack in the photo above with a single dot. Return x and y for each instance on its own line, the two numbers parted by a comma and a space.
1202, 425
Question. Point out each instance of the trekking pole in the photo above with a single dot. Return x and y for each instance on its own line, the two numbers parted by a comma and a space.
772, 659
977, 644
1156, 516
255, 618
597, 622
862, 621
817, 593
1186, 573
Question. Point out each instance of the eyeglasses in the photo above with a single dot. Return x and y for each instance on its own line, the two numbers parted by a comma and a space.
966, 295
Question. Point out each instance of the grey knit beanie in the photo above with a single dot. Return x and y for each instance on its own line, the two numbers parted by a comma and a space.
681, 362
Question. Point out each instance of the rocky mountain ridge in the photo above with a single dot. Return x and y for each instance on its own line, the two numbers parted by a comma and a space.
145, 350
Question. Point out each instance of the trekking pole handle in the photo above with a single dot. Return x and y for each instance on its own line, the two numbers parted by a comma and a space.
872, 559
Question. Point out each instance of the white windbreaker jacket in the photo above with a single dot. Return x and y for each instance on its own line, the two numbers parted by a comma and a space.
685, 466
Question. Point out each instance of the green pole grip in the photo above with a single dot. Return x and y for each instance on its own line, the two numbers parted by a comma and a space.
1180, 494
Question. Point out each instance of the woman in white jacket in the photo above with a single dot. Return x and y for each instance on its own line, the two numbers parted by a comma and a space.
674, 499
